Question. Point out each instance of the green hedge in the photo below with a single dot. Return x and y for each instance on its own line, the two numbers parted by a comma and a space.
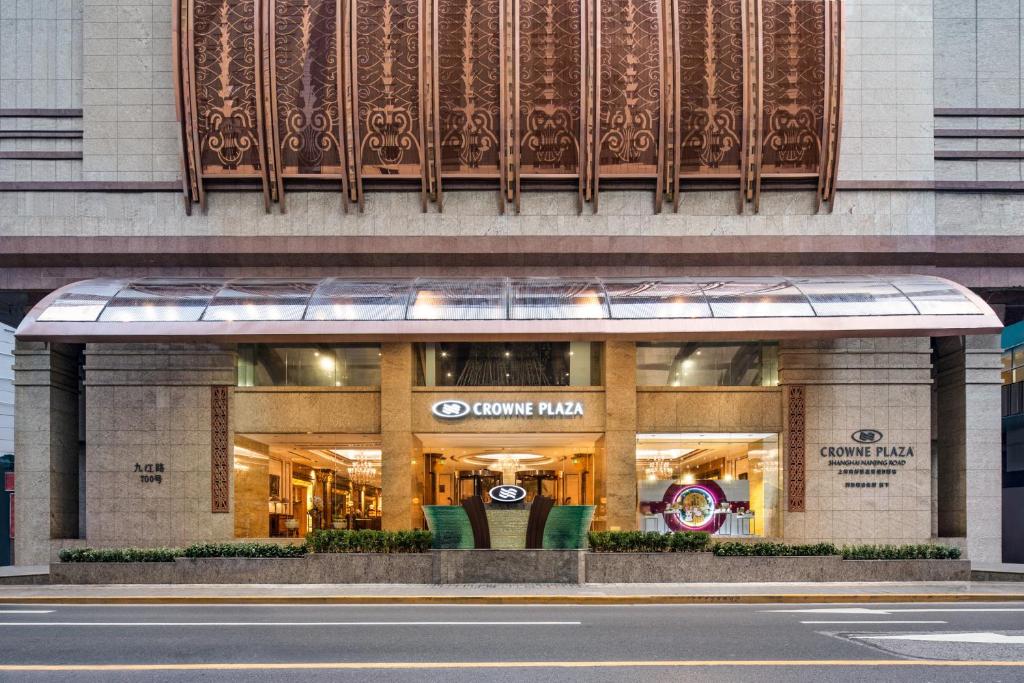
119, 554
900, 552
244, 550
647, 542
768, 549
368, 541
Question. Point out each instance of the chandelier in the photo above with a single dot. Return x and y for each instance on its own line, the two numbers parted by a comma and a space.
362, 471
658, 469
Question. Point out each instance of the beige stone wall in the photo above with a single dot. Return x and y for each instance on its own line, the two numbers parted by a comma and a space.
619, 444
854, 384
968, 444
398, 445
252, 491
150, 404
709, 409
47, 448
307, 410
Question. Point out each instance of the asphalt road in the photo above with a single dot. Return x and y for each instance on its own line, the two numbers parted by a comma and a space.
898, 642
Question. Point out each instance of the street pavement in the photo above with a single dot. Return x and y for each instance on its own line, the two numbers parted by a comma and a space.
758, 642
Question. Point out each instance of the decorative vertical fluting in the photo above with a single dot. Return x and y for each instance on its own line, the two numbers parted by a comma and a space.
220, 451
796, 455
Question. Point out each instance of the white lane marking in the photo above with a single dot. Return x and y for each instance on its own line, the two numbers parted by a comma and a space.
884, 621
986, 638
26, 611
290, 623
868, 610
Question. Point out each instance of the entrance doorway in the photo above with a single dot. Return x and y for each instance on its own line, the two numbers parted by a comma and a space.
557, 466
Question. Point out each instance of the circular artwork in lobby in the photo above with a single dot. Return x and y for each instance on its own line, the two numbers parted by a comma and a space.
691, 507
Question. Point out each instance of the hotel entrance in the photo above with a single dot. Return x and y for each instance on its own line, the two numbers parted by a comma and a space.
556, 466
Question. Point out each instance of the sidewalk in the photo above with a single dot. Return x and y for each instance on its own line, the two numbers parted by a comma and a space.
689, 593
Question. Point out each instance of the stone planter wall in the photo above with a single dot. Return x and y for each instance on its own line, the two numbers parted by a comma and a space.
706, 568
316, 568
510, 566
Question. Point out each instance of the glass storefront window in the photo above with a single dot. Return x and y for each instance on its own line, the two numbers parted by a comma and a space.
705, 364
495, 364
724, 484
311, 365
1013, 365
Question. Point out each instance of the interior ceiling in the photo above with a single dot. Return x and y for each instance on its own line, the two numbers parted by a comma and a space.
522, 442
316, 440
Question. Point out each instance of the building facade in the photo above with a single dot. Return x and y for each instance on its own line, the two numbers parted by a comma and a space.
775, 156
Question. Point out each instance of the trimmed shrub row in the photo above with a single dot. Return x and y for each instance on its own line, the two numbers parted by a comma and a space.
647, 541
119, 554
901, 552
767, 549
243, 550
327, 541
368, 541
697, 541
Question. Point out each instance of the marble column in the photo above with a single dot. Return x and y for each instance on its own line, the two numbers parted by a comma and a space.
968, 438
619, 444
398, 444
46, 446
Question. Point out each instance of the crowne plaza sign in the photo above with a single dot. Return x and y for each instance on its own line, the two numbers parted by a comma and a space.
454, 409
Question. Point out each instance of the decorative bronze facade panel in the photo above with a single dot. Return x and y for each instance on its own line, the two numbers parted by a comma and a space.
305, 113
225, 74
629, 90
550, 86
711, 87
793, 73
494, 91
469, 86
796, 420
220, 451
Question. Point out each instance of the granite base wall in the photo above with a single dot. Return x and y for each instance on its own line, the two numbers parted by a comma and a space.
707, 568
509, 566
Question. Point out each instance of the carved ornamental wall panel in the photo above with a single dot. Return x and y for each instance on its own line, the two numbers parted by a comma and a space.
509, 93
304, 93
629, 91
712, 87
469, 87
549, 90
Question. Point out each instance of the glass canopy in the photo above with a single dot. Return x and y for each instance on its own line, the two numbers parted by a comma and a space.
574, 305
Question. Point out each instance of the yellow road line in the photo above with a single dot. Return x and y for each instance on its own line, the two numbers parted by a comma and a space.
295, 666
780, 598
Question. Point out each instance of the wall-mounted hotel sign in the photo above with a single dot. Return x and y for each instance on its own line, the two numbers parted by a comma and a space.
453, 409
867, 458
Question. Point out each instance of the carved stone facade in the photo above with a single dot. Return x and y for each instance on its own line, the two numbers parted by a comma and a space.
507, 92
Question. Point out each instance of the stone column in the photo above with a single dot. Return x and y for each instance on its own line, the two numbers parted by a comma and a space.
46, 448
167, 409
969, 443
619, 447
397, 441
850, 385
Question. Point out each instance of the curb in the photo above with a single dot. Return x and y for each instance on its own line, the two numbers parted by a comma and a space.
781, 598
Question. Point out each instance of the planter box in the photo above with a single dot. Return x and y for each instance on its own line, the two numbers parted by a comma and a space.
508, 566
706, 568
317, 568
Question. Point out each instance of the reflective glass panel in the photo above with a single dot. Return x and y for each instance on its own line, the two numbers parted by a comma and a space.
83, 303
160, 301
475, 364
557, 299
309, 365
261, 300
645, 299
458, 300
935, 297
359, 300
707, 364
756, 299
855, 297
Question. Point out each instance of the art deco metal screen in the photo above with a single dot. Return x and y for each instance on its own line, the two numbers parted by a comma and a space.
511, 94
